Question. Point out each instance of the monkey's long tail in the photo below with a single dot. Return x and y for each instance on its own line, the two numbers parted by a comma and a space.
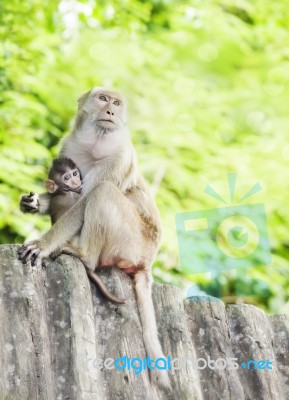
93, 276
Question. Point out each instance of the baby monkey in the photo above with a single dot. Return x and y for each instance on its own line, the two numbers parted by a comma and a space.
64, 184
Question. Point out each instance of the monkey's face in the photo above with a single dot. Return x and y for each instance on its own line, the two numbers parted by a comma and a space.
71, 180
106, 109
64, 176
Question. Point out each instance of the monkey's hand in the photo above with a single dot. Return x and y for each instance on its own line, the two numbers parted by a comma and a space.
30, 251
29, 203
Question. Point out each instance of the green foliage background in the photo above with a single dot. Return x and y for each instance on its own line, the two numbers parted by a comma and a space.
207, 84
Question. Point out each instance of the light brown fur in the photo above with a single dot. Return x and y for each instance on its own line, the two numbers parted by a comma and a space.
61, 201
116, 213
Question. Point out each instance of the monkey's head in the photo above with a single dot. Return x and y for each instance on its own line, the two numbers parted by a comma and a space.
106, 109
63, 176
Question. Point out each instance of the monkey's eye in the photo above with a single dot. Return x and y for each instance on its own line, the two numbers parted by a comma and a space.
116, 103
103, 98
75, 173
66, 177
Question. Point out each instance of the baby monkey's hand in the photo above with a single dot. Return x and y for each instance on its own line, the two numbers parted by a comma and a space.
29, 203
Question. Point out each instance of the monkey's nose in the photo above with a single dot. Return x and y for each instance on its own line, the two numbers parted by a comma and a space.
110, 112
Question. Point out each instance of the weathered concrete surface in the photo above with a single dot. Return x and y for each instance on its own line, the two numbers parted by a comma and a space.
210, 333
55, 326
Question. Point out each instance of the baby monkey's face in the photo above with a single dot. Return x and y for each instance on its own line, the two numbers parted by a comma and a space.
71, 179
64, 176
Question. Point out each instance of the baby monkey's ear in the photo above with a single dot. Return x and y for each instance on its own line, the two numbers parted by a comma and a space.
50, 186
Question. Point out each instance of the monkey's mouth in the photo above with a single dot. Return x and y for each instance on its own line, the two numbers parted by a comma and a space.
105, 120
77, 189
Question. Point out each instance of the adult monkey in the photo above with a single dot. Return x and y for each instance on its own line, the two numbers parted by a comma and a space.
116, 218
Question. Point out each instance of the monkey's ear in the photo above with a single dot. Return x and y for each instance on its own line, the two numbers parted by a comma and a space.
82, 99
50, 186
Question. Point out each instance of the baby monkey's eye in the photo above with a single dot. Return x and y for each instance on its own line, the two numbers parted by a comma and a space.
102, 97
116, 103
75, 173
66, 177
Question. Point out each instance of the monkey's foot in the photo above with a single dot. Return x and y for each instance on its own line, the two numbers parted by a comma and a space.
30, 252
